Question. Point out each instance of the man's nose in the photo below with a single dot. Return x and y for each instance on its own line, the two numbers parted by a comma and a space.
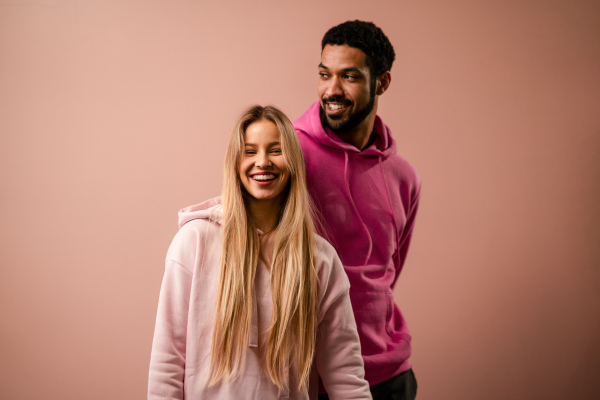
334, 87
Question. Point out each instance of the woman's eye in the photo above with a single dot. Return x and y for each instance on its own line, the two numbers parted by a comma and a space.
276, 151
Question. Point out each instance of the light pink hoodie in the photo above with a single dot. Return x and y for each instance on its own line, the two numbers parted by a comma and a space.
179, 363
368, 199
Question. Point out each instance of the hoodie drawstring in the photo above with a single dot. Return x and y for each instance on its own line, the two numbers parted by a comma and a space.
356, 209
283, 392
253, 342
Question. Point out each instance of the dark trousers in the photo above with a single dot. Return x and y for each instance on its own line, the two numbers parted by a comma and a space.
400, 387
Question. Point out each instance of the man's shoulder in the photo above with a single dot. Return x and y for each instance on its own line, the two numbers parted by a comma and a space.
401, 173
398, 161
401, 167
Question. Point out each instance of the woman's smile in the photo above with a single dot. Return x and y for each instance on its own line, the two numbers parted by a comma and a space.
263, 171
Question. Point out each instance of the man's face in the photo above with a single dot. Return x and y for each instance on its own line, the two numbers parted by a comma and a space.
346, 92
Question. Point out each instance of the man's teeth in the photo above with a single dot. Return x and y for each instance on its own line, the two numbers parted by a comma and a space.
265, 177
335, 106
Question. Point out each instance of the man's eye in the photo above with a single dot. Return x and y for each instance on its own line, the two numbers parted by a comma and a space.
350, 78
323, 75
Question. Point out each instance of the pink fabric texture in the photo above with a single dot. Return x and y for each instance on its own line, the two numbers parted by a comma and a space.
367, 201
179, 364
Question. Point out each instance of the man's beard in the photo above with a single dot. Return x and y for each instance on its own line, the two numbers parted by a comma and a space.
353, 120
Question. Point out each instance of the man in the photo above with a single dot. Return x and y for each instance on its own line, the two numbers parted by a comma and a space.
366, 194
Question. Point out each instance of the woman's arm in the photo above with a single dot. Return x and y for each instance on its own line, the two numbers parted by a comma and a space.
337, 354
167, 361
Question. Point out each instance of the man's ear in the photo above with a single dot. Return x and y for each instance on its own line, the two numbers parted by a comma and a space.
383, 82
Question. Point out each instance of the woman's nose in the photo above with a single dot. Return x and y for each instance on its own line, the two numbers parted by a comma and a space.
263, 161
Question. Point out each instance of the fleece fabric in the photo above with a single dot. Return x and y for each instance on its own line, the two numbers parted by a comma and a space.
180, 358
368, 201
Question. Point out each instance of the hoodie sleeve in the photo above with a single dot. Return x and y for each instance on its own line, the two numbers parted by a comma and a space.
167, 360
338, 358
404, 240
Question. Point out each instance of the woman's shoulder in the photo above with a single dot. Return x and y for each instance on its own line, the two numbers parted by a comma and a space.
197, 235
198, 227
199, 224
323, 247
332, 277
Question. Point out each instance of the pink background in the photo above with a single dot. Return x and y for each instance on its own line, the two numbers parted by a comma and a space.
115, 114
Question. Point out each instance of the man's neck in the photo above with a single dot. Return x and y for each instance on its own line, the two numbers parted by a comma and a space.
361, 136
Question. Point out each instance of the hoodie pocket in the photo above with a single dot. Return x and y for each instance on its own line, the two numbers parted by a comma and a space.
377, 320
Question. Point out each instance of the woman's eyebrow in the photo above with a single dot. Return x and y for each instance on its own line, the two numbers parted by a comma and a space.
268, 144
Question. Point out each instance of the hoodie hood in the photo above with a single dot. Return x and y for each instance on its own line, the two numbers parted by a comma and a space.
310, 123
209, 209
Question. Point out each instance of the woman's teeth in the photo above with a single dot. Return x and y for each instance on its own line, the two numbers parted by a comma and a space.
265, 177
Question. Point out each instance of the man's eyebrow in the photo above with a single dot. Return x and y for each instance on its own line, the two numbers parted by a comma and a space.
349, 69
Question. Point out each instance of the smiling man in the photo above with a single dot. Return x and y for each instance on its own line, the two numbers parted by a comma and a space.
367, 195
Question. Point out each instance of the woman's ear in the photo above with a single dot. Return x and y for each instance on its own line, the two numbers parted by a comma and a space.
383, 82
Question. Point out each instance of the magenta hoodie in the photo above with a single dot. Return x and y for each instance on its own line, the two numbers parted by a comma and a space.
180, 359
368, 200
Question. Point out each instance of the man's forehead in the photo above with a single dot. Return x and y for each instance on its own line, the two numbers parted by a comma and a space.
343, 56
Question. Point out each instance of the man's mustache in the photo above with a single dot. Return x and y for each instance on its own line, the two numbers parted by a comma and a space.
337, 99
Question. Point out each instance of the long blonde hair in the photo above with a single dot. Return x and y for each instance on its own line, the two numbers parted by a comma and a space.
292, 333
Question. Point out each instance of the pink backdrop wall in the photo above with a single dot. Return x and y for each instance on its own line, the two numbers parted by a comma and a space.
115, 114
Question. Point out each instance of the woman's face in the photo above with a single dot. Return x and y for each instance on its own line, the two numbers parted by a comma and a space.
262, 168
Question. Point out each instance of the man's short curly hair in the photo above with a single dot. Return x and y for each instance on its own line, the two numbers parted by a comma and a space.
367, 37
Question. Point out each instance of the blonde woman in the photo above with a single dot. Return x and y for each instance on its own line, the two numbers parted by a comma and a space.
253, 304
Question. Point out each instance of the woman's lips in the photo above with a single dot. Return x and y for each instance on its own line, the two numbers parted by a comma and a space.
263, 178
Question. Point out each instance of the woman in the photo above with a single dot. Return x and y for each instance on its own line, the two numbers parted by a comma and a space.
253, 305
